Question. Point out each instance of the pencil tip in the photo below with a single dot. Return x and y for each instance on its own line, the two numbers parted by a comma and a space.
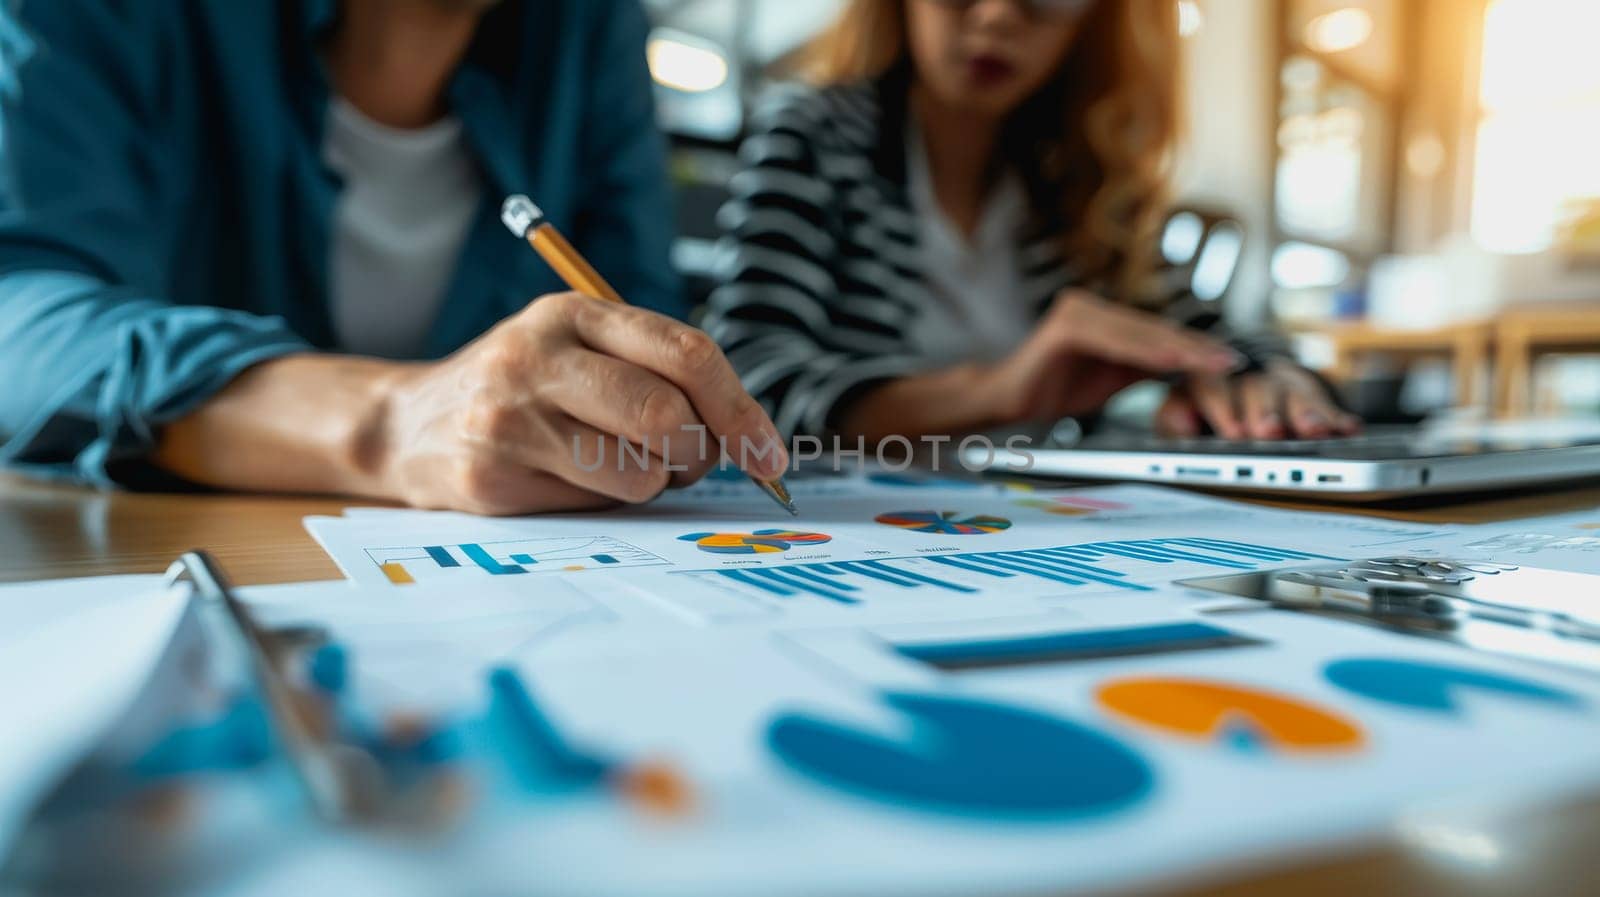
519, 214
780, 494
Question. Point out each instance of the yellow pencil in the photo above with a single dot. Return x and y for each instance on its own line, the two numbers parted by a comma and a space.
527, 221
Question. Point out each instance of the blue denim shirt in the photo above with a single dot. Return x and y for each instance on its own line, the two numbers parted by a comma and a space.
165, 209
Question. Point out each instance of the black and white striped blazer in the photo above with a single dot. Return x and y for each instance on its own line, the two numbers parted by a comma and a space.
821, 279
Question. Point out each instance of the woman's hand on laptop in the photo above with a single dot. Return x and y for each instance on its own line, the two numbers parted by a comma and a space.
1086, 349
1280, 401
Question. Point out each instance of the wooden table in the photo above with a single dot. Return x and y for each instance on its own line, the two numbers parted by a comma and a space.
1465, 346
50, 531
1524, 333
1516, 337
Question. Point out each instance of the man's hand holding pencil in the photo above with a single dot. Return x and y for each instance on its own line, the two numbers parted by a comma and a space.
511, 423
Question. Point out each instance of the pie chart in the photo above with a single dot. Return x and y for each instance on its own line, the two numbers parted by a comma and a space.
1438, 688
1071, 505
762, 541
1240, 717
948, 523
967, 757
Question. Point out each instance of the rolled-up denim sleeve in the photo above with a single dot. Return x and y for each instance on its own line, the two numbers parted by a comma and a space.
94, 356
91, 370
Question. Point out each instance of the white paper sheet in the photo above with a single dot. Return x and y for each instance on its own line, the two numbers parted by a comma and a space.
737, 634
1569, 541
835, 697
1351, 747
73, 655
1318, 732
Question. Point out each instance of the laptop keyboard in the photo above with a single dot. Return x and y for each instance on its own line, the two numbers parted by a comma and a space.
1342, 444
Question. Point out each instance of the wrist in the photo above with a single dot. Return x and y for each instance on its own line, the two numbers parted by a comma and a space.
362, 452
990, 394
957, 399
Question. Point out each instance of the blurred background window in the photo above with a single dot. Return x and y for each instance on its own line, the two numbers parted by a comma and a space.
1340, 99
1538, 131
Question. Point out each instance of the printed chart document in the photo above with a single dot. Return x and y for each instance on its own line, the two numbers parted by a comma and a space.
935, 686
952, 689
872, 545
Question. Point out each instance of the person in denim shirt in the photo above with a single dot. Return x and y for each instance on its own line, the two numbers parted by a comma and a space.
187, 286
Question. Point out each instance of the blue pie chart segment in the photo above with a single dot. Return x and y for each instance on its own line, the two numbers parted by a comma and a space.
1437, 687
968, 757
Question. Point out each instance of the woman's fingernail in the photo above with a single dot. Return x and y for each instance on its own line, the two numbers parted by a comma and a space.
1311, 420
1227, 360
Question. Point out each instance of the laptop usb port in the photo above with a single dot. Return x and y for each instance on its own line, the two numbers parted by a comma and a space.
1199, 471
1243, 473
1330, 477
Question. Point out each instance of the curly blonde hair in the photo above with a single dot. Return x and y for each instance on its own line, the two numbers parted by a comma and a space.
1094, 145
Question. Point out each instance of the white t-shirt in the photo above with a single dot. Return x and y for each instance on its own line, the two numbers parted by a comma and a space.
976, 309
409, 198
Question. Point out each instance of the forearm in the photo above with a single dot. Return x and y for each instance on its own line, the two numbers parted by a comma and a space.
944, 402
301, 423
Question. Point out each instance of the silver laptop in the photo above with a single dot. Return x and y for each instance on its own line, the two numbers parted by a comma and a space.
1383, 462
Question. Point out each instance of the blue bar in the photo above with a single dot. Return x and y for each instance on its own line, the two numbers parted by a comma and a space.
1056, 647
886, 576
1060, 560
1077, 554
1289, 552
441, 557
482, 559
524, 559
1069, 575
604, 558
1281, 553
809, 576
801, 585
1211, 559
1083, 571
969, 566
742, 576
1185, 556
1137, 550
927, 580
1039, 571
1260, 554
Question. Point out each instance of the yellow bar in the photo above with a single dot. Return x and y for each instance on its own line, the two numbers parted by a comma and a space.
397, 574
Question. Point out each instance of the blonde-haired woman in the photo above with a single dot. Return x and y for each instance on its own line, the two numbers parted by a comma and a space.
949, 229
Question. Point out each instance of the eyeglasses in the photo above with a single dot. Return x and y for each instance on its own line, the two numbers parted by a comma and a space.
1059, 9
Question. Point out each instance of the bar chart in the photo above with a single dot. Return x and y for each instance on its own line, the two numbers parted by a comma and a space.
1120, 564
410, 564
